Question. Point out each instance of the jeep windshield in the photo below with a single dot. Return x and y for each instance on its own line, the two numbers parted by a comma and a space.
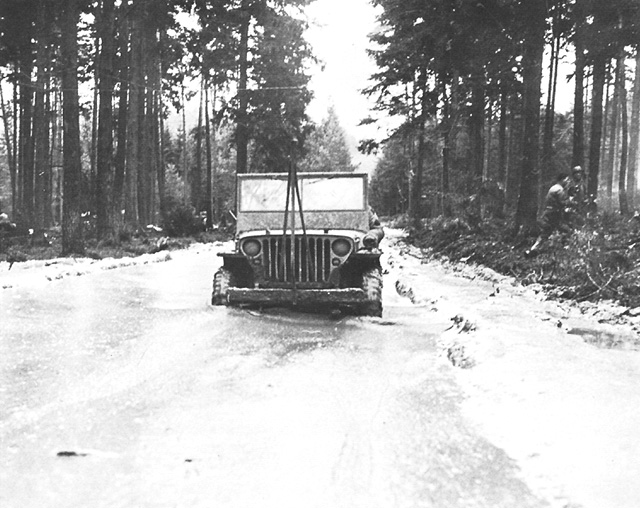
317, 193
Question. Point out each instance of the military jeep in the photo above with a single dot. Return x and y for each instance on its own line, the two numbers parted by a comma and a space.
307, 245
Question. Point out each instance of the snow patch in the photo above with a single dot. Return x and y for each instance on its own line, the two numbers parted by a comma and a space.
38, 272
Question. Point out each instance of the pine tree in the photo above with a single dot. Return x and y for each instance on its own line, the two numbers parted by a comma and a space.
326, 147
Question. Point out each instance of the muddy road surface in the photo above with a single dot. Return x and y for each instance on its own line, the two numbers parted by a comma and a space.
125, 388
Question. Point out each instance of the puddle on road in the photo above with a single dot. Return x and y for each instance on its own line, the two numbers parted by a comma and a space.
606, 339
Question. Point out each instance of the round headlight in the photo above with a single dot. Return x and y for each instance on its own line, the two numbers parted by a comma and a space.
251, 248
341, 247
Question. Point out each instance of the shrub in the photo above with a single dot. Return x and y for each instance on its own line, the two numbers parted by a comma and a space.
181, 220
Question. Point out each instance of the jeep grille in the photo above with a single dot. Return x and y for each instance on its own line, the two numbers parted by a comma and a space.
312, 259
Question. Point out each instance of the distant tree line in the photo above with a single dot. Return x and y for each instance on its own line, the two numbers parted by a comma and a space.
474, 84
85, 92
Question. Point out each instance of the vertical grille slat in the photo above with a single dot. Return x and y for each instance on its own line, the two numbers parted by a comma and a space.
312, 260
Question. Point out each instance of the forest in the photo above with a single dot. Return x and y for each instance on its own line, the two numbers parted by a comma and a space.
475, 84
87, 87
481, 135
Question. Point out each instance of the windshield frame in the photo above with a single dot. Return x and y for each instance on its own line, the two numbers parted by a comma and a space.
338, 192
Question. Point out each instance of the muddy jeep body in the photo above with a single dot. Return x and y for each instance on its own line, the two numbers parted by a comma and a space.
311, 259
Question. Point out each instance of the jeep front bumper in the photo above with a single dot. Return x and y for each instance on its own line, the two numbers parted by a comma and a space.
304, 297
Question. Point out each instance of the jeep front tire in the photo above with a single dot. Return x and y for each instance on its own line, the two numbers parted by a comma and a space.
222, 281
372, 286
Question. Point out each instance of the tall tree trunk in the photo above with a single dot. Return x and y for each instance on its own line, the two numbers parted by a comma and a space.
577, 157
8, 127
416, 186
209, 179
599, 77
16, 197
185, 155
25, 208
145, 122
242, 128
41, 120
104, 159
196, 176
546, 165
160, 134
476, 130
123, 114
632, 181
503, 145
535, 12
447, 127
72, 234
51, 109
95, 113
613, 137
133, 135
155, 113
624, 133
56, 158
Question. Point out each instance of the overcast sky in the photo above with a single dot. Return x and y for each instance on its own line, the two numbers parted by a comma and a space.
339, 37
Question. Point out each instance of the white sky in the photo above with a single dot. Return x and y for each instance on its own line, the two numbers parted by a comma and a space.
338, 33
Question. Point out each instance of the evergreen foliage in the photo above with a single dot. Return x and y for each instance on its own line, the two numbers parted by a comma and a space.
326, 147
465, 79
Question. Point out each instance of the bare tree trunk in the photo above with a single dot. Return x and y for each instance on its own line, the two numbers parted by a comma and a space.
16, 197
447, 127
123, 115
207, 121
416, 184
476, 130
503, 145
613, 137
546, 170
8, 136
56, 159
242, 128
185, 158
51, 108
535, 12
196, 177
104, 155
155, 113
145, 122
577, 158
25, 205
160, 135
72, 234
41, 120
632, 181
133, 135
622, 178
599, 76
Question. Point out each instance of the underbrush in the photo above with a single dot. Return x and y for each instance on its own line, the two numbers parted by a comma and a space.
600, 260
123, 243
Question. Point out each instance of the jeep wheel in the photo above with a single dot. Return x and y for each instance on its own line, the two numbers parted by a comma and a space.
372, 286
221, 283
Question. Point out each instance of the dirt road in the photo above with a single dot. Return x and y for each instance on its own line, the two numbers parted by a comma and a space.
125, 388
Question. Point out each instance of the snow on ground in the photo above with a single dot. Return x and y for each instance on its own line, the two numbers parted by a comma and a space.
567, 411
37, 272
